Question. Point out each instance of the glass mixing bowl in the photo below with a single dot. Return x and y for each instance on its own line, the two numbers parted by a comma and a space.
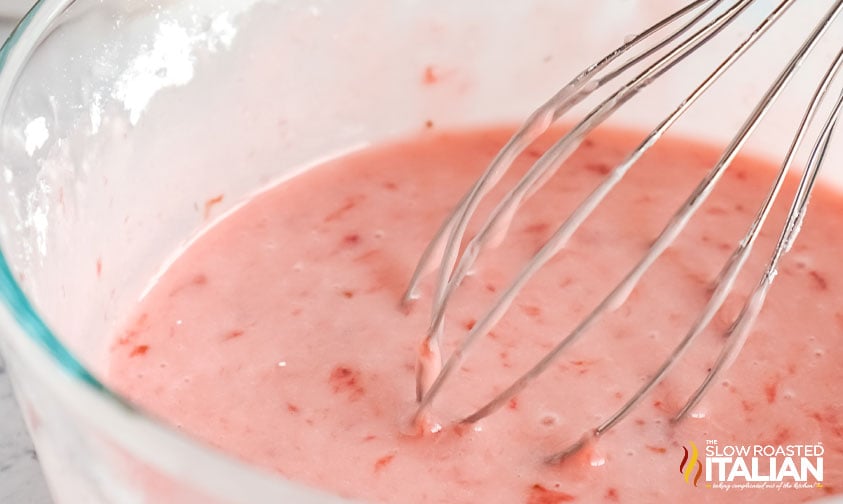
121, 120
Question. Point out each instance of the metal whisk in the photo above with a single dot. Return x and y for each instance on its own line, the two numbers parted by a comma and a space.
677, 36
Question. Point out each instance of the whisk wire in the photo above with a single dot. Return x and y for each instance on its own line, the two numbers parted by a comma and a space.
539, 121
739, 330
543, 166
453, 267
677, 222
558, 240
726, 278
546, 166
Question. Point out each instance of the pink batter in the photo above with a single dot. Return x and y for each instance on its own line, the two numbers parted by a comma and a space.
277, 336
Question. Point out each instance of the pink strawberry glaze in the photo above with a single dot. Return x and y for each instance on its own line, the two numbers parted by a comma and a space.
277, 336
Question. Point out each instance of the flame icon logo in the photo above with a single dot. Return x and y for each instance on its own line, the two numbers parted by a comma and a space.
689, 462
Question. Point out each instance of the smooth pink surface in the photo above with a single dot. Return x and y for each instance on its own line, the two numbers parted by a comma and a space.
277, 336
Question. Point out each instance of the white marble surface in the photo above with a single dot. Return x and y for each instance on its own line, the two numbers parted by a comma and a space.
21, 481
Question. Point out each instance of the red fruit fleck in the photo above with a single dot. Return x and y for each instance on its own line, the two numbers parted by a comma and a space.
292, 408
539, 227
430, 75
99, 266
342, 373
660, 406
513, 403
612, 495
535, 153
542, 495
428, 124
598, 168
392, 186
819, 280
747, 406
384, 461
782, 435
236, 333
425, 350
505, 359
741, 175
459, 430
370, 437
128, 337
770, 391
531, 311
347, 380
139, 350
352, 239
350, 203
209, 204
469, 324
348, 294
491, 288
656, 449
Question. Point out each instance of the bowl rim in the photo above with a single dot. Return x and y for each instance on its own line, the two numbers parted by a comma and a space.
113, 411
11, 293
